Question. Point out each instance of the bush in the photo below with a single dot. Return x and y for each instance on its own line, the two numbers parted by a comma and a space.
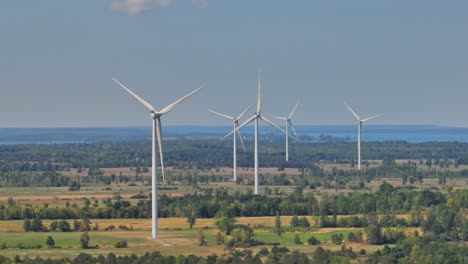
263, 252
313, 241
120, 244
26, 246
362, 252
139, 196
27, 225
74, 186
84, 240
297, 239
3, 246
50, 242
110, 228
337, 238
276, 249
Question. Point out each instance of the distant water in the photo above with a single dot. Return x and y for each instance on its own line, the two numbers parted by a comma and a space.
415, 133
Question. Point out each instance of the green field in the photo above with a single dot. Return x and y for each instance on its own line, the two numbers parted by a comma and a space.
171, 242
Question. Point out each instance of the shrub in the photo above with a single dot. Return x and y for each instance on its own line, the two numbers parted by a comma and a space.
120, 244
263, 252
110, 228
26, 246
313, 241
337, 238
297, 239
50, 242
84, 240
276, 249
139, 196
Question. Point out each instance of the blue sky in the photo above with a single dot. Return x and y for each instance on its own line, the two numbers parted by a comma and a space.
407, 59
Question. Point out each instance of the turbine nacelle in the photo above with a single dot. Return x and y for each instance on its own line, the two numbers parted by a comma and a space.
157, 114
360, 121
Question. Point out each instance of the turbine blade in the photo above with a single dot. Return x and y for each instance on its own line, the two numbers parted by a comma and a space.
266, 120
146, 104
294, 110
240, 136
243, 113
223, 115
293, 130
168, 108
160, 149
354, 113
369, 118
259, 100
243, 125
280, 117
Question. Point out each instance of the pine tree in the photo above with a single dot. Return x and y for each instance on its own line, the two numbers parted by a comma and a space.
27, 225
278, 229
50, 241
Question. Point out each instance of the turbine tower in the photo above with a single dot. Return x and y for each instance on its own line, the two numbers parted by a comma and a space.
257, 116
360, 122
235, 122
156, 116
288, 125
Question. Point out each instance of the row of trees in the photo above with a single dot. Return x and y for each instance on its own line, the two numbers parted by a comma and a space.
212, 204
213, 153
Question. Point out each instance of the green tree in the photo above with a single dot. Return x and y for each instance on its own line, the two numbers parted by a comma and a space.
278, 229
219, 238
36, 225
374, 235
50, 242
294, 221
225, 223
27, 225
84, 240
191, 219
201, 238
297, 239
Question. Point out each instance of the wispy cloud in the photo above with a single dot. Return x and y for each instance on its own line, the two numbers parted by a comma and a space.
135, 7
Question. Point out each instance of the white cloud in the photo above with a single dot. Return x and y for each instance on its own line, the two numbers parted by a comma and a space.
135, 7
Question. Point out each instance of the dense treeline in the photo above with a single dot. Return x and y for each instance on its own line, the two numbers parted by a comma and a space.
215, 203
413, 249
40, 165
212, 153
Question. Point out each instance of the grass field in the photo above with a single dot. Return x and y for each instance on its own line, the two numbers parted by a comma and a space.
175, 238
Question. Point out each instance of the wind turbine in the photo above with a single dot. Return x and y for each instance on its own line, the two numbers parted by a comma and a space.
289, 124
156, 116
235, 122
360, 122
257, 116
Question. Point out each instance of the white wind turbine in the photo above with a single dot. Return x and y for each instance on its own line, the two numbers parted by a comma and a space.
156, 116
235, 122
288, 125
360, 121
255, 118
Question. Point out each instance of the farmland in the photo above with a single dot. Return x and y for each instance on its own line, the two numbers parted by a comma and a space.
325, 209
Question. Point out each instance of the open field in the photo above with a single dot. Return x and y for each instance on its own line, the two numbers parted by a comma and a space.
175, 238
